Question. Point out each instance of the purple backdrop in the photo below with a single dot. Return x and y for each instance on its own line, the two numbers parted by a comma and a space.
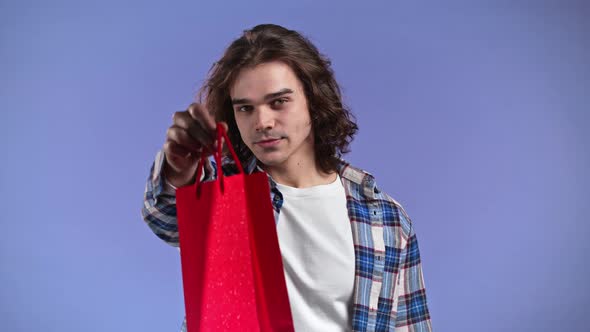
473, 116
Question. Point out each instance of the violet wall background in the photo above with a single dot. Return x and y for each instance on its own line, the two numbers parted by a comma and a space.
474, 115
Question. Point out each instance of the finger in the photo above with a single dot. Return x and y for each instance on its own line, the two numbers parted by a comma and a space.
224, 124
192, 126
201, 135
182, 119
181, 137
200, 114
177, 150
178, 158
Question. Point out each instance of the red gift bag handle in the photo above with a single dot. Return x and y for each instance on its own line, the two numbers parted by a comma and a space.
221, 133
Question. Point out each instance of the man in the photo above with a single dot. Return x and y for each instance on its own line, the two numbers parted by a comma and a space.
349, 251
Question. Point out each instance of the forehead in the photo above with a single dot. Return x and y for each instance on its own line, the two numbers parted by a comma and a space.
255, 82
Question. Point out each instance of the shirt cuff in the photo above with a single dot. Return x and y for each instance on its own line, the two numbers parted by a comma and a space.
169, 187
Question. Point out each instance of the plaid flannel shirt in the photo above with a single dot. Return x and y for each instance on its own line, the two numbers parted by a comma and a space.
389, 292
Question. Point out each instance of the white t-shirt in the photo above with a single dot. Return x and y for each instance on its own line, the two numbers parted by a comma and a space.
316, 244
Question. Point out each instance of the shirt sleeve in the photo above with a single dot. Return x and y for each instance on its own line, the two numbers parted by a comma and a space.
412, 308
159, 201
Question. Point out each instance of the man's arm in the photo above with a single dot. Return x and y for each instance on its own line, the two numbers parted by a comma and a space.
412, 307
192, 131
159, 204
159, 201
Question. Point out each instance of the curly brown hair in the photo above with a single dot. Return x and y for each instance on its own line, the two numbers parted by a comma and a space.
333, 124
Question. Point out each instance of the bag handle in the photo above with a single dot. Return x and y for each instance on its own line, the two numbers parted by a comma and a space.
221, 137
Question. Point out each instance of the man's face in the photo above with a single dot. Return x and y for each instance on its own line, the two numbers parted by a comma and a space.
271, 112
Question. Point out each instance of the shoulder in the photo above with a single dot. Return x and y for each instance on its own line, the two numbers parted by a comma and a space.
363, 186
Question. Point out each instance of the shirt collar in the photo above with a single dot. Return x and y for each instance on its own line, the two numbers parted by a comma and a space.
345, 170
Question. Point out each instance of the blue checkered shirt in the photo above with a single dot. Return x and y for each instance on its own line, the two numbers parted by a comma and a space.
389, 292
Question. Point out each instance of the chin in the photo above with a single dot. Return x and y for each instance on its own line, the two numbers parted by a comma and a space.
270, 159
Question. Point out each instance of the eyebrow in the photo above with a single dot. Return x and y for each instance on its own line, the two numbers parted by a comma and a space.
239, 101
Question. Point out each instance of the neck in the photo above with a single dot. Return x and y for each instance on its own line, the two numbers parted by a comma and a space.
300, 174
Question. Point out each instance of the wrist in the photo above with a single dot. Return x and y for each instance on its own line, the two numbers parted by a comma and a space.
174, 179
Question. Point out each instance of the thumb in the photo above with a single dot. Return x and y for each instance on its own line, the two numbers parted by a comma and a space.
224, 124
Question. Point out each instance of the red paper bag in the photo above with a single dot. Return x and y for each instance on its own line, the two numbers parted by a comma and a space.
232, 270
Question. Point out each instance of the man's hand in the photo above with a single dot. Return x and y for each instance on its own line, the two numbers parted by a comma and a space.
191, 131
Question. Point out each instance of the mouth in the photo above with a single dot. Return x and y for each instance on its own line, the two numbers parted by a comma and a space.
268, 142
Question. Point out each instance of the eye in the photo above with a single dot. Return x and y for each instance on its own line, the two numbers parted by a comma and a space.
279, 102
244, 108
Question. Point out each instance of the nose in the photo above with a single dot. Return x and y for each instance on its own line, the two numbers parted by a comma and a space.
264, 119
